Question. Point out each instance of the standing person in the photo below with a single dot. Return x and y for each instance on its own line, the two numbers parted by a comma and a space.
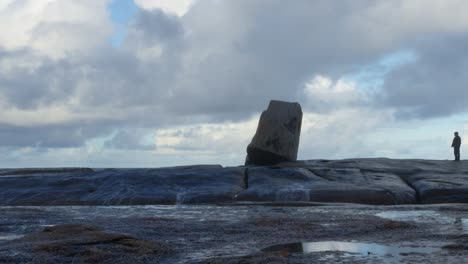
456, 146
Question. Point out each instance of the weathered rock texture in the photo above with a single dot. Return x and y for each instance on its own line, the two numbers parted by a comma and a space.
189, 184
277, 136
437, 187
325, 184
366, 181
434, 181
79, 243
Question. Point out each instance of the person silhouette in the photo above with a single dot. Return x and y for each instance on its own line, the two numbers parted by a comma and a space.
456, 143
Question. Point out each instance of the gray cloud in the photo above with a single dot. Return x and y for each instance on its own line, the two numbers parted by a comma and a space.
435, 84
224, 60
155, 26
51, 136
264, 49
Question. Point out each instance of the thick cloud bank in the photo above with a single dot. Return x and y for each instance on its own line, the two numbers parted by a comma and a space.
189, 72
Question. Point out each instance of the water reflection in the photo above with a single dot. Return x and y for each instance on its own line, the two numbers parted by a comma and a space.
10, 237
364, 249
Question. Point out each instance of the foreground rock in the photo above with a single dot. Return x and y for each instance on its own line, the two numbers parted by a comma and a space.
88, 244
253, 259
277, 136
232, 234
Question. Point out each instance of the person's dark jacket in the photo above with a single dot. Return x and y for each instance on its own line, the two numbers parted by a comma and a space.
456, 142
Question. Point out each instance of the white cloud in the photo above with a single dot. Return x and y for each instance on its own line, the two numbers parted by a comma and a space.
224, 140
54, 27
324, 93
343, 133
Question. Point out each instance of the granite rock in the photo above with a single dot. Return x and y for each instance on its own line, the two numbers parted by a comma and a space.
189, 184
277, 135
365, 181
434, 187
322, 184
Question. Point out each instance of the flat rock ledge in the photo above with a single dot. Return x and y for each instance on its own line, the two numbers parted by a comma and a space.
377, 181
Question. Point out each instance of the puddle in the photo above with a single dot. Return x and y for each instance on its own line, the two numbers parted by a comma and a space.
391, 253
10, 237
427, 216
423, 216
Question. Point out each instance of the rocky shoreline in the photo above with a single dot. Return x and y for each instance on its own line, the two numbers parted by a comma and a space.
377, 181
207, 234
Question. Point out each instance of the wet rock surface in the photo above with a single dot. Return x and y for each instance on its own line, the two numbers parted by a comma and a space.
387, 181
278, 184
437, 187
231, 234
87, 244
325, 184
365, 181
188, 184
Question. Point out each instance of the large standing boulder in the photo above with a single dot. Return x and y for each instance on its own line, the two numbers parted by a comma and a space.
277, 136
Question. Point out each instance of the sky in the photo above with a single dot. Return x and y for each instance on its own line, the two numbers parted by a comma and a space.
155, 83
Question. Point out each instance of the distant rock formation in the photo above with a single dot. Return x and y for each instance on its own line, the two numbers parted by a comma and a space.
277, 136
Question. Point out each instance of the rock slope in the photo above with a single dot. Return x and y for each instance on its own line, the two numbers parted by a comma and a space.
367, 181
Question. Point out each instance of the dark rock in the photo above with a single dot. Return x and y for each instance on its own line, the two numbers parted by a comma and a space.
325, 185
278, 184
89, 244
433, 187
367, 181
435, 181
191, 184
353, 186
263, 258
277, 135
399, 167
12, 172
391, 224
458, 246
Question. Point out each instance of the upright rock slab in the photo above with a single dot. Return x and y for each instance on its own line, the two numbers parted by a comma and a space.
277, 136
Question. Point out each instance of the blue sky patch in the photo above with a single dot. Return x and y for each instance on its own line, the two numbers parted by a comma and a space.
121, 12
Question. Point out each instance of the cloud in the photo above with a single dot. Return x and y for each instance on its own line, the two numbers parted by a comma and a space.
220, 138
132, 139
324, 95
434, 85
54, 27
202, 68
177, 7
